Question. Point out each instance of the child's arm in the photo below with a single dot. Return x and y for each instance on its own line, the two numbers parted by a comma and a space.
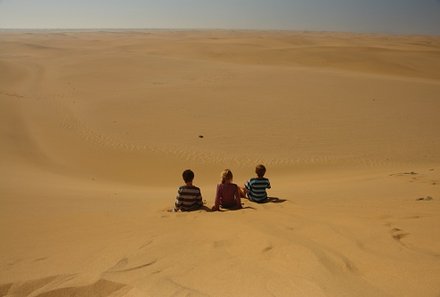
178, 203
247, 186
238, 197
199, 199
217, 199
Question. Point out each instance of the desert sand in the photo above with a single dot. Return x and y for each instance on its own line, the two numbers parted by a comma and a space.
96, 128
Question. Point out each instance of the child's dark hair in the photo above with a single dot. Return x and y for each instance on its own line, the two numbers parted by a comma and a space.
260, 170
188, 175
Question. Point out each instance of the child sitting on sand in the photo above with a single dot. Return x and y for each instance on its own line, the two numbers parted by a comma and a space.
189, 196
255, 188
228, 194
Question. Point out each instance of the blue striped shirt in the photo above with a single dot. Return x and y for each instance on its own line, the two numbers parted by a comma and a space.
256, 189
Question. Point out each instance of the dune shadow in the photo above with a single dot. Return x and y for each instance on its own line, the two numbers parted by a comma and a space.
100, 288
4, 289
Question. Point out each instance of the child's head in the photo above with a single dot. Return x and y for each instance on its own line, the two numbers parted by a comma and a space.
188, 176
260, 170
226, 176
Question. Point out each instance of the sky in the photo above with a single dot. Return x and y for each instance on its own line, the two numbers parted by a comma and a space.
376, 16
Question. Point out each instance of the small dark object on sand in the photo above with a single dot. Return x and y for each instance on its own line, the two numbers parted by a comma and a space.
201, 136
427, 198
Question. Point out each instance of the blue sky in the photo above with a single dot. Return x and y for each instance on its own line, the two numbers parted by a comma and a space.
386, 16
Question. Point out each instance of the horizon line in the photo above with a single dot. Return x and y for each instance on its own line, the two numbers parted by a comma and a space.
97, 29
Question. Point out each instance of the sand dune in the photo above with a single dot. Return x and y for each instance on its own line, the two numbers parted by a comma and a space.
96, 128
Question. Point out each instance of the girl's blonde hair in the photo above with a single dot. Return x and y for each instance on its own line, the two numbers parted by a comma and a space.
226, 175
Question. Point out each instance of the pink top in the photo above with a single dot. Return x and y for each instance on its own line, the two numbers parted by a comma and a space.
227, 196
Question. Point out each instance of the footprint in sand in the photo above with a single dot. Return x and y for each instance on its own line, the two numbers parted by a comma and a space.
416, 177
121, 266
267, 249
11, 94
398, 234
427, 198
146, 244
404, 173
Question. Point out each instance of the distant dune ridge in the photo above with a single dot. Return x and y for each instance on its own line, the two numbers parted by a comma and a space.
97, 127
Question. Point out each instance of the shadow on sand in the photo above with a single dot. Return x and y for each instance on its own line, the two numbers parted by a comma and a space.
223, 209
236, 208
274, 200
269, 200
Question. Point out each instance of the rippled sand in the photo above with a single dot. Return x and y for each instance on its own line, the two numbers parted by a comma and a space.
96, 128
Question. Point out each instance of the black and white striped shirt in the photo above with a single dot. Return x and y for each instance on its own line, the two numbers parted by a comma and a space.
188, 198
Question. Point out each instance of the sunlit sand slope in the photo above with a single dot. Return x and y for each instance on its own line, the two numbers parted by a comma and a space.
96, 128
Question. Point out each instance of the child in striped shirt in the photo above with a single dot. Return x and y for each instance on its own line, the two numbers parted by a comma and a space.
189, 196
255, 188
